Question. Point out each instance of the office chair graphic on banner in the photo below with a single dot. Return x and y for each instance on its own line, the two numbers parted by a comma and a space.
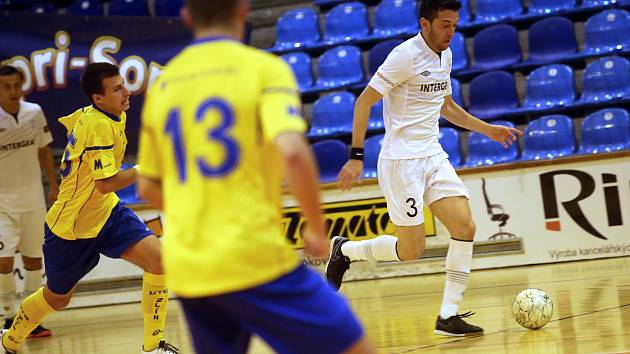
497, 214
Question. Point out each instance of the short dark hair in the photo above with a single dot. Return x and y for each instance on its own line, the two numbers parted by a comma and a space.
429, 9
207, 13
92, 77
8, 70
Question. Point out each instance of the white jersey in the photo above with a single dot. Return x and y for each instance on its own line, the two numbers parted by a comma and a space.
413, 81
21, 187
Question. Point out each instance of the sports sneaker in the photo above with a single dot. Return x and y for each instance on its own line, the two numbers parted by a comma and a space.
163, 348
338, 264
454, 326
4, 350
39, 331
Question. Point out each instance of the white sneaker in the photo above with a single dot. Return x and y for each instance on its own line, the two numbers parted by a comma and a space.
4, 350
163, 348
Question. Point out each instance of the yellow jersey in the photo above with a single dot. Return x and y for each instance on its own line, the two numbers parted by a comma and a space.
95, 150
208, 130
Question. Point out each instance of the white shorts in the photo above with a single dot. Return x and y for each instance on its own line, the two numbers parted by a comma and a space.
409, 184
23, 232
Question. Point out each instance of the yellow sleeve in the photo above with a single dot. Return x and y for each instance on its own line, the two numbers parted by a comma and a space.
148, 161
99, 150
280, 108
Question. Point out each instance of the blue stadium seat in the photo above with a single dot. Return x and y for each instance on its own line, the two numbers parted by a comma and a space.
396, 17
302, 68
43, 8
86, 7
489, 55
457, 92
379, 53
607, 31
329, 2
549, 137
460, 53
449, 139
464, 14
297, 28
492, 94
541, 7
340, 66
606, 79
168, 8
483, 151
331, 155
345, 23
549, 86
497, 10
376, 117
129, 8
552, 39
332, 115
605, 131
372, 150
598, 3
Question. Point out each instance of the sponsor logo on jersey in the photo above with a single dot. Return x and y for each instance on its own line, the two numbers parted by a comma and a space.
18, 145
426, 73
434, 87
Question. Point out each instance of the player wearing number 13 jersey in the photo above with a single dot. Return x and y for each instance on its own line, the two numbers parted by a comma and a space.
219, 128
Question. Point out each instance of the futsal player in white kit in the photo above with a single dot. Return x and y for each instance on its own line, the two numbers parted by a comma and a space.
413, 169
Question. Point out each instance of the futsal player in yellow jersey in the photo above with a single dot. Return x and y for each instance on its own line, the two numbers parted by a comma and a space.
88, 220
219, 127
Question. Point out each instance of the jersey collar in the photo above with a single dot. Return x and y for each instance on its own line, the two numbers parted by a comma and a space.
424, 45
113, 117
204, 40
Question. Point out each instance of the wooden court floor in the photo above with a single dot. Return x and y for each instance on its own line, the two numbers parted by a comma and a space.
592, 315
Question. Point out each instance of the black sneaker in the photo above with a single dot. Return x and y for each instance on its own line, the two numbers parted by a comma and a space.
454, 326
163, 348
39, 331
338, 264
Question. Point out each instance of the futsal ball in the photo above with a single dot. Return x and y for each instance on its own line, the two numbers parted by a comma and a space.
532, 308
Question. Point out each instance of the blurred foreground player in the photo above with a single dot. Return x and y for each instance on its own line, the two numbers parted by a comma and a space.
219, 126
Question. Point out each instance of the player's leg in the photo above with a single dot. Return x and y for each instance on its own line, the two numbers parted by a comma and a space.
130, 239
448, 199
9, 239
402, 187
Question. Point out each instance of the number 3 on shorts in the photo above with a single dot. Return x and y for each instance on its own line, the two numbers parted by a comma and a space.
412, 205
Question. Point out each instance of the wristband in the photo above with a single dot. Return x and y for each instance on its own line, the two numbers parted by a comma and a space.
357, 153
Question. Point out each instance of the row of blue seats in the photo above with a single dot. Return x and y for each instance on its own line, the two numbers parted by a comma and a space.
548, 137
349, 23
493, 94
166, 8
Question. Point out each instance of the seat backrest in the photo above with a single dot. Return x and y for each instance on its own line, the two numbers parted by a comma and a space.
168, 8
372, 150
340, 66
550, 86
333, 113
552, 39
330, 155
395, 17
548, 137
607, 31
496, 10
605, 79
376, 117
543, 7
483, 151
346, 22
128, 8
460, 52
489, 55
302, 68
86, 7
297, 28
457, 92
449, 139
605, 130
379, 53
464, 13
492, 93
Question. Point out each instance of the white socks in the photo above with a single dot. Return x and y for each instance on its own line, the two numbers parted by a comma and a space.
458, 264
7, 295
33, 280
381, 248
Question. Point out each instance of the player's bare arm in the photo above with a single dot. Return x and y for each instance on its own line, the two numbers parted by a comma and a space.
118, 181
48, 166
351, 172
455, 114
150, 189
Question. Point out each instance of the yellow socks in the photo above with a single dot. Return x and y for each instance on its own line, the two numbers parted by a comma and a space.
154, 300
33, 311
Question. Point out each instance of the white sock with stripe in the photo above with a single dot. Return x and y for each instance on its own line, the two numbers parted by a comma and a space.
458, 264
381, 248
7, 295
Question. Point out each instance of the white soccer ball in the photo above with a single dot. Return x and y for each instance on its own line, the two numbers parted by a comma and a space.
532, 308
